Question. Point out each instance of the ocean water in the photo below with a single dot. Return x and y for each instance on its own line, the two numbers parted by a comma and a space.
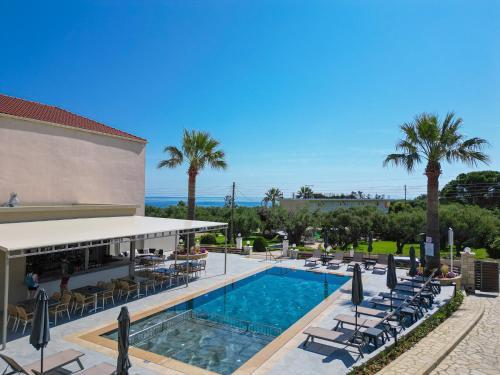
200, 201
226, 327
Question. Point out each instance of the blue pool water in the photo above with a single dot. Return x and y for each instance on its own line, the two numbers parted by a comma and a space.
222, 329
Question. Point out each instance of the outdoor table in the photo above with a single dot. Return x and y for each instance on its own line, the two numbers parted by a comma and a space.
29, 304
369, 262
137, 280
326, 258
90, 290
373, 334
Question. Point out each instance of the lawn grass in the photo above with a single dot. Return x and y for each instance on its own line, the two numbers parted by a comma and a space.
389, 247
220, 238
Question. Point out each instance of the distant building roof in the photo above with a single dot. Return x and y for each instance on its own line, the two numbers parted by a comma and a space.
42, 112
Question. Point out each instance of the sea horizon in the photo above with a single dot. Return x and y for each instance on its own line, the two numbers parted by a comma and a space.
162, 201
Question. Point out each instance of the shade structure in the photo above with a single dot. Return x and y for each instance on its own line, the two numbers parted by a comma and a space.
40, 331
391, 275
413, 262
123, 362
357, 290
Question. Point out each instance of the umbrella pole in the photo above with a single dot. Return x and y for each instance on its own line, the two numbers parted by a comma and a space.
391, 300
41, 362
356, 319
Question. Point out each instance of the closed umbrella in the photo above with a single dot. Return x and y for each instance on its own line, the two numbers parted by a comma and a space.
40, 332
357, 290
123, 362
413, 262
391, 274
422, 254
370, 243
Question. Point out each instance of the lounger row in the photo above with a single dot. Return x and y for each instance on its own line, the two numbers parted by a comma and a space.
373, 324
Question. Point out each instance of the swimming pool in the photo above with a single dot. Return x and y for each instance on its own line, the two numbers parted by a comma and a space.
221, 330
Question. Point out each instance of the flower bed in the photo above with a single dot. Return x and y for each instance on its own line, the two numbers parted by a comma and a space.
406, 342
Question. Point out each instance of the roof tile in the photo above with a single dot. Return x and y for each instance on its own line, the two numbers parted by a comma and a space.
47, 113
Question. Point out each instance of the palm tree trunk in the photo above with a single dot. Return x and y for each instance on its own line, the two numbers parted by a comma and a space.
191, 200
432, 172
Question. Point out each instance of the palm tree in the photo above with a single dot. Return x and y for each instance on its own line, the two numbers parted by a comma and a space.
272, 195
426, 140
305, 192
199, 150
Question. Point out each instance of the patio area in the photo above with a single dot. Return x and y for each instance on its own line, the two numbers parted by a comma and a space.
291, 358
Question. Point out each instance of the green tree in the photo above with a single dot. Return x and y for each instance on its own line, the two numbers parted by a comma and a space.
198, 150
472, 226
305, 192
296, 223
427, 140
272, 195
404, 227
480, 188
246, 220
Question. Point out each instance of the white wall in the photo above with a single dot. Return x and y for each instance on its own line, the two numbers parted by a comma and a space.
47, 164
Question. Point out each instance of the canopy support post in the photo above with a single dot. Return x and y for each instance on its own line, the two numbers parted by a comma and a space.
187, 264
131, 269
5, 301
225, 254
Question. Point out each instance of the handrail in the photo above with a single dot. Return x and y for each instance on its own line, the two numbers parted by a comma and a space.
245, 326
155, 329
242, 325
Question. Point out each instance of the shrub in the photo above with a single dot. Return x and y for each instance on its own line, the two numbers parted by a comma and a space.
259, 244
494, 248
208, 239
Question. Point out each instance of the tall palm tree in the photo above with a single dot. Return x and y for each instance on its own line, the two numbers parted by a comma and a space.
429, 141
198, 150
305, 192
272, 195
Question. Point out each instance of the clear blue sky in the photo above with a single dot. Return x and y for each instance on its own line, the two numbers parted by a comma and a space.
298, 92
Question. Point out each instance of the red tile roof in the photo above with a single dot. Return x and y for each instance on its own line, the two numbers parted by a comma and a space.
47, 113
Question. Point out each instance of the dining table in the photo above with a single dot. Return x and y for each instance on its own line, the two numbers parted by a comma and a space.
90, 290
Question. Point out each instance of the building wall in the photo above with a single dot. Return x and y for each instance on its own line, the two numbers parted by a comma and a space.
327, 205
49, 165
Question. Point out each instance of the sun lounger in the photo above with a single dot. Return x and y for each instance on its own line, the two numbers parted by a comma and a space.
351, 320
337, 260
381, 264
50, 363
100, 369
349, 338
372, 312
314, 259
356, 259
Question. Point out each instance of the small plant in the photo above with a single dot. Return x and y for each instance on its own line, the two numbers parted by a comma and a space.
259, 244
208, 239
444, 269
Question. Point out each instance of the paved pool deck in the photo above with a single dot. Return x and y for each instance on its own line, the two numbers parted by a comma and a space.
290, 358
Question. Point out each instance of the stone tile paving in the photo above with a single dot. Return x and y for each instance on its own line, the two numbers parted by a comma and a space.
479, 352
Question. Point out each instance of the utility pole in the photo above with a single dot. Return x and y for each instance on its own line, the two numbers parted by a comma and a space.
232, 212
405, 195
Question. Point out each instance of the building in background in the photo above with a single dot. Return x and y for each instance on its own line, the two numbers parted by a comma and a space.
65, 166
327, 205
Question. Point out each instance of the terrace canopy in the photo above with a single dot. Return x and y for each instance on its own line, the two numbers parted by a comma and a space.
42, 237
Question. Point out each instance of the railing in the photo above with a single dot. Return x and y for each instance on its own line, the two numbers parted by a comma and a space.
241, 325
222, 320
157, 328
